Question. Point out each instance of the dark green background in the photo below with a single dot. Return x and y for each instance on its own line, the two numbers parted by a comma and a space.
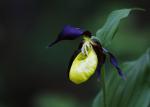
32, 75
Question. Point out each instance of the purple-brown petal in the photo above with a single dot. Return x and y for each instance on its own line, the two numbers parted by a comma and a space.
68, 33
114, 62
98, 71
101, 56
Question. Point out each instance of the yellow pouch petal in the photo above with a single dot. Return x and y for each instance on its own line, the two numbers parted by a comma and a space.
83, 67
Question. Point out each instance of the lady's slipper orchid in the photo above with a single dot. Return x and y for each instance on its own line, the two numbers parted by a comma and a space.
89, 58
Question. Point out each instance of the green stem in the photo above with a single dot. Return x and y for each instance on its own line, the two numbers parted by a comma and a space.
103, 85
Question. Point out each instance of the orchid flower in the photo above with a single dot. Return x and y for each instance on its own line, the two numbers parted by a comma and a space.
88, 58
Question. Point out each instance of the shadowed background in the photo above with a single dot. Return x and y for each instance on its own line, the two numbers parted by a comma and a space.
32, 75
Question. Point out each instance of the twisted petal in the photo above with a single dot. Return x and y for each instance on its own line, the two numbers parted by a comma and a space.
83, 67
114, 62
68, 33
101, 56
98, 71
100, 64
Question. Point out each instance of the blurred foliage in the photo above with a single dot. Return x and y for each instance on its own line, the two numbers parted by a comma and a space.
54, 100
125, 95
133, 92
110, 28
130, 42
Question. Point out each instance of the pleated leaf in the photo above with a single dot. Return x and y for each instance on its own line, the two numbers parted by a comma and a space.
108, 31
132, 92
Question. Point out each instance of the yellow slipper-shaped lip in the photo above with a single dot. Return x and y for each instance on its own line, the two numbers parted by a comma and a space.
83, 67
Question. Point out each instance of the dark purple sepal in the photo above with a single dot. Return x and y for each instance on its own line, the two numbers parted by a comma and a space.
98, 69
68, 33
114, 62
101, 62
53, 43
101, 57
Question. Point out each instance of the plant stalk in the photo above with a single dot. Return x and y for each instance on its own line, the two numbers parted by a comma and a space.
103, 86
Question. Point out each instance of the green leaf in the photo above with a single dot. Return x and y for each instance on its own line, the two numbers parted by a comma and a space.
133, 92
108, 31
54, 100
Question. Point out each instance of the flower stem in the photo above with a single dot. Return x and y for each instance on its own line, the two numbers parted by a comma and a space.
103, 85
